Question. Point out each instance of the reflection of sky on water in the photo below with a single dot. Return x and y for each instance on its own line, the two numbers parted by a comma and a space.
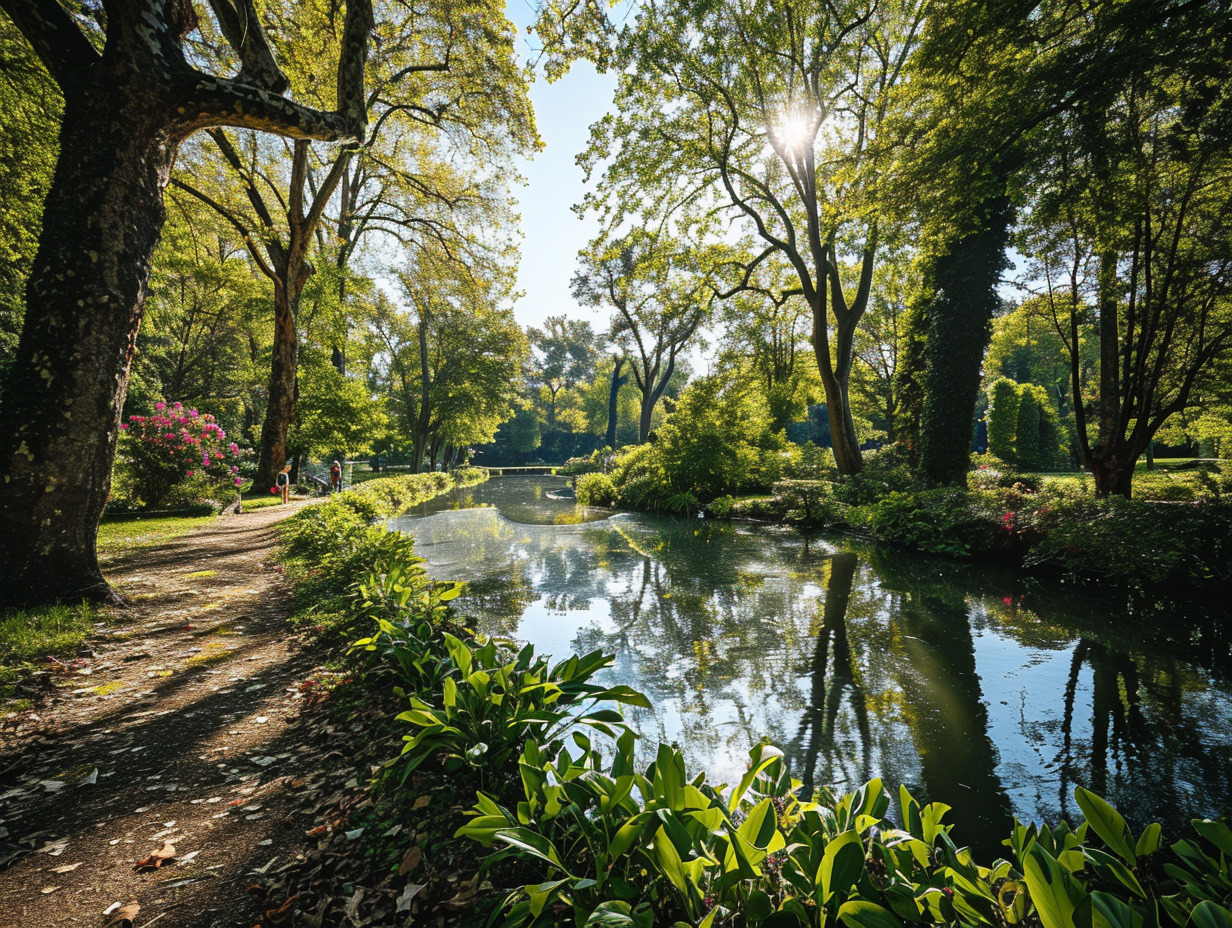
968, 685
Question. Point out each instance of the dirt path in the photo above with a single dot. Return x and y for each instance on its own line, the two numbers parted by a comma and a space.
178, 734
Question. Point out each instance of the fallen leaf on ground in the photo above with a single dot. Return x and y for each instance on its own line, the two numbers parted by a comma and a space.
67, 868
410, 860
47, 890
121, 916
409, 893
352, 906
421, 802
157, 859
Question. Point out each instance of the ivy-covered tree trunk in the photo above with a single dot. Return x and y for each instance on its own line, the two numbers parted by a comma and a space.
960, 301
66, 388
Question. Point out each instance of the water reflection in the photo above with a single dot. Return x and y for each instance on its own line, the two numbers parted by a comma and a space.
972, 688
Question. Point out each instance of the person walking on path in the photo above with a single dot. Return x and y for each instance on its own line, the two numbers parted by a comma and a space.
284, 483
335, 477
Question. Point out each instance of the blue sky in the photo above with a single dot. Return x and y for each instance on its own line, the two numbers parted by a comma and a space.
552, 233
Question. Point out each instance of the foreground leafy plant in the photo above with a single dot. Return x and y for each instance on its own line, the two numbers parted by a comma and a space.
493, 701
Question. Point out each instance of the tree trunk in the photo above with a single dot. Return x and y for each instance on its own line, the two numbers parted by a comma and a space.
1113, 470
424, 419
66, 388
284, 366
847, 457
613, 394
958, 314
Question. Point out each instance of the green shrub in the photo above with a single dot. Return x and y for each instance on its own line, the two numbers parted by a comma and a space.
717, 442
808, 501
931, 521
611, 845
326, 547
886, 470
722, 507
493, 700
1133, 541
595, 490
1004, 397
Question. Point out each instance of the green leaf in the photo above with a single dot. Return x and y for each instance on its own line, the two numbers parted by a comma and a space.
1215, 832
841, 864
861, 914
760, 825
1148, 841
1107, 822
1045, 879
611, 914
1207, 914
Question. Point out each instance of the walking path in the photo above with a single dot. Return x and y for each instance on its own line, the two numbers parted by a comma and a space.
176, 740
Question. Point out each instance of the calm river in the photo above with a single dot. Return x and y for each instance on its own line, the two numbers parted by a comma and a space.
975, 687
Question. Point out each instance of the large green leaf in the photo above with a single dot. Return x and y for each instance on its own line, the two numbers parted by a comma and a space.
1107, 822
862, 914
1207, 914
1045, 879
840, 867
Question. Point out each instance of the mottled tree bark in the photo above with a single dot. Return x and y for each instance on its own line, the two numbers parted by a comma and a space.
61, 413
126, 111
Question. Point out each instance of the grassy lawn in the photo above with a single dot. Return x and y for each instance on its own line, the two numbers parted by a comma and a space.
123, 535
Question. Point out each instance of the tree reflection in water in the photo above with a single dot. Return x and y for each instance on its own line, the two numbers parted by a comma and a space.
972, 686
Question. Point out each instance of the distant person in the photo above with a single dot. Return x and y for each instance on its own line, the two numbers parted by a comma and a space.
335, 477
283, 480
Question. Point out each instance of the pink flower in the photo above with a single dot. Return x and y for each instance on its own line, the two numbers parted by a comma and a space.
160, 405
123, 427
238, 481
1008, 600
235, 470
179, 405
193, 413
190, 473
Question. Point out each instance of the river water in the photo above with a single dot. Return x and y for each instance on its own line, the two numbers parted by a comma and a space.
991, 692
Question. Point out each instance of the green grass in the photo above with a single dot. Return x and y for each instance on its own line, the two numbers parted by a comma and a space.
118, 537
29, 636
260, 501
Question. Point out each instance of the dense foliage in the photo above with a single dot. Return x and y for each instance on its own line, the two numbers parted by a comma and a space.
173, 449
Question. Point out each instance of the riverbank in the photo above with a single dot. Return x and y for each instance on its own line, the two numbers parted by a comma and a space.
568, 835
1177, 531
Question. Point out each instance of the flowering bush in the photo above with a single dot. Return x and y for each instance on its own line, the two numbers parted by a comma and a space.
174, 447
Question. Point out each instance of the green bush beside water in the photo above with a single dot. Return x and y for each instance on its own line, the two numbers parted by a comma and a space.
325, 548
584, 837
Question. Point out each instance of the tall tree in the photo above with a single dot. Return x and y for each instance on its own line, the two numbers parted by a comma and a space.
662, 292
1130, 233
131, 96
773, 111
565, 350
133, 91
445, 80
451, 364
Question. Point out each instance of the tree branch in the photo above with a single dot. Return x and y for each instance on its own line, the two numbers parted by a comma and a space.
55, 38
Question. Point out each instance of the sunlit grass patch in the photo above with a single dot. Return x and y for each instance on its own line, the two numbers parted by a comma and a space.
121, 536
206, 658
106, 689
57, 631
200, 574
